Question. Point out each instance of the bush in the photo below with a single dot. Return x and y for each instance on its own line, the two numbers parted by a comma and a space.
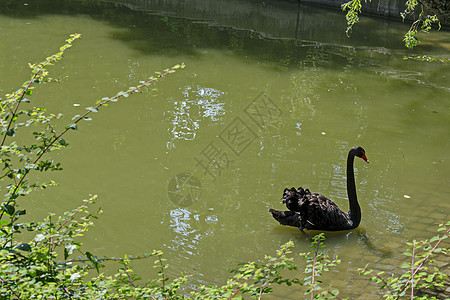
32, 269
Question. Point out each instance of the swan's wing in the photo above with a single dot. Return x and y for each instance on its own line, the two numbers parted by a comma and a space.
325, 214
311, 211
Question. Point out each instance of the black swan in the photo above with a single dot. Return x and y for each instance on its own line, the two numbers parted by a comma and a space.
316, 212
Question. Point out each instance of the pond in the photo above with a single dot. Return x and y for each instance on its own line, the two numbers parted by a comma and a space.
272, 96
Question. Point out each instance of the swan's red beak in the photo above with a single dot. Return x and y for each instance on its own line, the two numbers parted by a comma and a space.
365, 158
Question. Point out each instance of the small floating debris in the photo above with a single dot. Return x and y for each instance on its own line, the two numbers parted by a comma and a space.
76, 104
323, 133
407, 196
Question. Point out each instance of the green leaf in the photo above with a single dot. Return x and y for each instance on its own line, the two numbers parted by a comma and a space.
9, 209
66, 254
10, 132
434, 238
72, 126
68, 250
75, 276
20, 212
23, 247
39, 238
94, 261
93, 109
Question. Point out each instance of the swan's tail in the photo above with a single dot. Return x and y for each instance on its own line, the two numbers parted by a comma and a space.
288, 218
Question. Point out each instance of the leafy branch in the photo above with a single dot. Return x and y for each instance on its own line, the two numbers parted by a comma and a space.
353, 8
73, 126
317, 263
422, 24
10, 115
417, 276
427, 58
253, 278
13, 100
29, 270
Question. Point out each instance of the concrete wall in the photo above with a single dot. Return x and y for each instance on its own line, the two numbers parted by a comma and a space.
307, 20
382, 8
392, 8
277, 19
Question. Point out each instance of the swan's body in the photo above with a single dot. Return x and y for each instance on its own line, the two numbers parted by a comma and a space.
315, 211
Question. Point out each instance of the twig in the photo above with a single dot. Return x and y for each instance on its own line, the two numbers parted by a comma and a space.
129, 276
253, 275
36, 75
77, 223
412, 269
65, 289
52, 244
237, 291
76, 212
381, 279
313, 273
162, 271
135, 89
11, 289
405, 286
113, 259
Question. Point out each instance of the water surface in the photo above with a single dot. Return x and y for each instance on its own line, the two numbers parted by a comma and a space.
273, 112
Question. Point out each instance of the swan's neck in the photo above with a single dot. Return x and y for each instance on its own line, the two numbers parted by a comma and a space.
355, 210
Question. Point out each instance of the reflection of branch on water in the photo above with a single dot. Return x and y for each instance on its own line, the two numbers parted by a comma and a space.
368, 58
411, 77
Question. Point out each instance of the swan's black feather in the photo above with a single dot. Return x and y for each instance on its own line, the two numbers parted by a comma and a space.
312, 211
316, 212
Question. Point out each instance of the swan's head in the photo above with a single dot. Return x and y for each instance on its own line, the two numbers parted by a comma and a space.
359, 152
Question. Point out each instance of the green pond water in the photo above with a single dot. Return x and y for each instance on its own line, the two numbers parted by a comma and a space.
251, 114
